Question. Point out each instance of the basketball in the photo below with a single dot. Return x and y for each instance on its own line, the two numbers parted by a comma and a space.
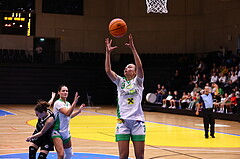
117, 28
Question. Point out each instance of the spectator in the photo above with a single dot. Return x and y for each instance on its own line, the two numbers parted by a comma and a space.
169, 97
158, 95
197, 88
161, 95
202, 68
230, 102
203, 80
176, 80
175, 99
185, 100
219, 106
222, 79
38, 53
233, 78
194, 100
214, 78
224, 70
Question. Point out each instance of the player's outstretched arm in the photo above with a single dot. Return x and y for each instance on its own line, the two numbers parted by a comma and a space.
52, 98
138, 62
111, 74
79, 110
68, 112
48, 124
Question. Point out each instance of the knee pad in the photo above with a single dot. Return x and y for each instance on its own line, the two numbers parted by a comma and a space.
32, 152
42, 156
68, 153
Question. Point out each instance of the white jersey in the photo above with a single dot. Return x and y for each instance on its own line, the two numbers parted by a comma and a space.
61, 120
130, 98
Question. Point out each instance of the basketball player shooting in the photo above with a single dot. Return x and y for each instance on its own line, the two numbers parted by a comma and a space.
130, 122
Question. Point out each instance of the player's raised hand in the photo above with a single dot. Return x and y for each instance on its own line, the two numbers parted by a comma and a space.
82, 106
76, 97
130, 44
109, 47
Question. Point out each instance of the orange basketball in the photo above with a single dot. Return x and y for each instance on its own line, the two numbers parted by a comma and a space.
117, 28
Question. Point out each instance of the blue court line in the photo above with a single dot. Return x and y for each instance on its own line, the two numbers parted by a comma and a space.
4, 113
53, 155
166, 124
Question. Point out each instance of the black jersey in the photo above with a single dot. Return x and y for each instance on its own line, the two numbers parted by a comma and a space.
40, 124
176, 97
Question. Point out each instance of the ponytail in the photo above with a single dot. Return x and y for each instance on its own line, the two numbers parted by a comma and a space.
42, 106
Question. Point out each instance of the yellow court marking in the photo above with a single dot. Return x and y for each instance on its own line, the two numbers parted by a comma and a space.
102, 128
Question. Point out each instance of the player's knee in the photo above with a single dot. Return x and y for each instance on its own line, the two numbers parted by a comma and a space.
42, 155
68, 153
32, 152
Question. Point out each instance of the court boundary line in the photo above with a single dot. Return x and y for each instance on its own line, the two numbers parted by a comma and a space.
167, 124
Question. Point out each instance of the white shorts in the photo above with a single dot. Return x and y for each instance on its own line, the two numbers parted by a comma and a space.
134, 129
65, 136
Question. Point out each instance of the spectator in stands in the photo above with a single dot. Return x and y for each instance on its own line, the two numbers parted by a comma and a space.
175, 99
158, 95
196, 78
222, 52
185, 100
191, 82
196, 88
238, 73
214, 78
203, 80
237, 94
222, 79
230, 102
219, 106
161, 95
194, 100
233, 78
38, 53
176, 80
228, 81
217, 91
169, 97
224, 70
202, 68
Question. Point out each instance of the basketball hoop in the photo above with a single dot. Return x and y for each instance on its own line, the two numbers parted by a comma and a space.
157, 6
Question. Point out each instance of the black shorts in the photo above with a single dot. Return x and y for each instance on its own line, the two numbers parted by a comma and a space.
44, 143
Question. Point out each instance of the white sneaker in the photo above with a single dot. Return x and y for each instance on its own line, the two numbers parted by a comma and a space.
173, 107
170, 107
164, 106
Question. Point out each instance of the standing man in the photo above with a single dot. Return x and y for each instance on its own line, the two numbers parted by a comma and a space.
206, 101
39, 54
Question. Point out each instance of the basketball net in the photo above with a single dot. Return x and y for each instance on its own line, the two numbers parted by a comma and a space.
157, 6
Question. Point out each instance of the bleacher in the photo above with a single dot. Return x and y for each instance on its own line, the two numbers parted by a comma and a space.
23, 83
14, 56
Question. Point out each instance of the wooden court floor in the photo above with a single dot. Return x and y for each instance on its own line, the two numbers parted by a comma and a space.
15, 129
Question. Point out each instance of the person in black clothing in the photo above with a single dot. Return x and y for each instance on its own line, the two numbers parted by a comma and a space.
42, 134
206, 101
176, 99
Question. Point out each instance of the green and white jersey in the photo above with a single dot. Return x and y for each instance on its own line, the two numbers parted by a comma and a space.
61, 120
130, 98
